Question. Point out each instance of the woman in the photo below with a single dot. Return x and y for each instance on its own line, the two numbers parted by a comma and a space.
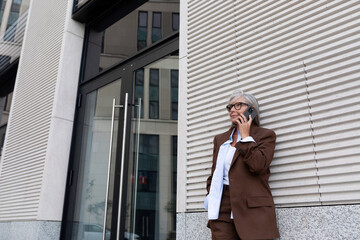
239, 200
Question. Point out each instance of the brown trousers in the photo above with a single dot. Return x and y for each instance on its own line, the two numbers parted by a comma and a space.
223, 228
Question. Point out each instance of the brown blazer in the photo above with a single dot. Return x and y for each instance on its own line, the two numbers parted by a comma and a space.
250, 196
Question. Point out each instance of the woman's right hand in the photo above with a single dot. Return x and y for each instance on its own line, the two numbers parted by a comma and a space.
244, 126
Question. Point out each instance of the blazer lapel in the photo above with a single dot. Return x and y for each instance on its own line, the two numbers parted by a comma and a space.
236, 154
223, 138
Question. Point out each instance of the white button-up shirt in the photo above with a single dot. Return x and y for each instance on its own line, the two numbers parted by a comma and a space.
221, 176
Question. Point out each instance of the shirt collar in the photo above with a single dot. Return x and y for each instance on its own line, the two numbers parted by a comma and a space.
231, 138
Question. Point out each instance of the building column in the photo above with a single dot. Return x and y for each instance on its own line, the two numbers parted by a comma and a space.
33, 170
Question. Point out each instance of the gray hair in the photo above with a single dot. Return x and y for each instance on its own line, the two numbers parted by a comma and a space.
250, 99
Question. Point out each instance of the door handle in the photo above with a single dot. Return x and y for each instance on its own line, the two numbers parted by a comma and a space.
122, 166
109, 165
147, 226
109, 160
136, 166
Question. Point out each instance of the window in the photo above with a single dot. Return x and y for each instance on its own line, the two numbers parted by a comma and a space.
2, 142
139, 91
148, 163
4, 61
2, 7
127, 35
12, 21
156, 27
142, 30
6, 103
175, 22
103, 42
174, 94
154, 94
174, 176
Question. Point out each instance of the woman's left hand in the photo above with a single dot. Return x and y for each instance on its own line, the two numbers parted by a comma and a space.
244, 126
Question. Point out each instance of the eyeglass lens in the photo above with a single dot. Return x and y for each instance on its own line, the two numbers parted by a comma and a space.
237, 106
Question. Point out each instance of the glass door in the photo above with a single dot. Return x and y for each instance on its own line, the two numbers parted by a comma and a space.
151, 182
123, 171
94, 195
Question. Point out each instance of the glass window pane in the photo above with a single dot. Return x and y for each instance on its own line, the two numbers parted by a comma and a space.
12, 21
139, 77
174, 95
156, 34
174, 78
154, 94
139, 29
151, 208
174, 111
156, 20
93, 163
142, 36
154, 77
142, 30
139, 91
143, 19
175, 21
154, 110
156, 27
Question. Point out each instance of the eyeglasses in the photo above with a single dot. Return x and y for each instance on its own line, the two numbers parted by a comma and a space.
237, 106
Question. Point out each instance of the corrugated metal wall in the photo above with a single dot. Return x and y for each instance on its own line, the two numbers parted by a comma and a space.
22, 165
301, 59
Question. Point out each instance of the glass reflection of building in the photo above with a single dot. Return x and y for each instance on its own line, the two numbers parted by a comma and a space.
13, 15
151, 22
154, 195
5, 103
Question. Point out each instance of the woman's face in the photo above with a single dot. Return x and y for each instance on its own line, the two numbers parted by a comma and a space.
234, 113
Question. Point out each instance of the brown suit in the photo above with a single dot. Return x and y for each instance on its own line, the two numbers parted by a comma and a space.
250, 196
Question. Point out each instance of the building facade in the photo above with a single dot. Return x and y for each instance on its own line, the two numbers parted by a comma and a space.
109, 109
90, 120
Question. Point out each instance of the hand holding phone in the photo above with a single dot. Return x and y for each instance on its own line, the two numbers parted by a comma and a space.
249, 111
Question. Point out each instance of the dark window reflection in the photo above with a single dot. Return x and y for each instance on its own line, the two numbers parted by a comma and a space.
154, 94
12, 21
139, 91
174, 177
147, 187
139, 29
142, 30
175, 21
4, 61
2, 8
156, 27
174, 94
150, 207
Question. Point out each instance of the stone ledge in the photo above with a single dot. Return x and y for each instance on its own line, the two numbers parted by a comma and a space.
30, 230
300, 223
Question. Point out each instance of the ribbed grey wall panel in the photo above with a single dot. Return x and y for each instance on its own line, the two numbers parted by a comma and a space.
211, 66
22, 166
301, 60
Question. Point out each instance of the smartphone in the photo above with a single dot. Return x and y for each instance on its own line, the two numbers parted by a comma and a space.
250, 111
